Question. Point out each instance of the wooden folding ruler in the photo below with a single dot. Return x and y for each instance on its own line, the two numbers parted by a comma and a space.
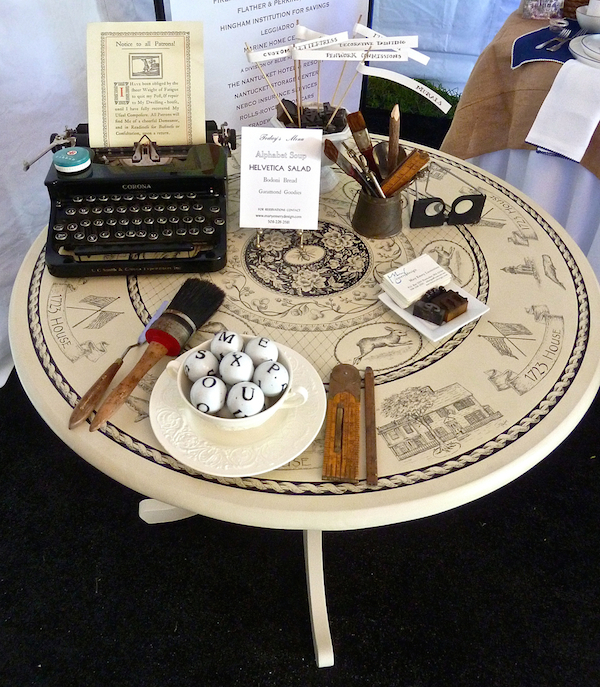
342, 425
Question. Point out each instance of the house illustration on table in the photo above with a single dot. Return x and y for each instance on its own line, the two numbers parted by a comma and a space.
433, 419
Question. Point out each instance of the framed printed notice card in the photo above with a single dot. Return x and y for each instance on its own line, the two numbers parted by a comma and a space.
145, 78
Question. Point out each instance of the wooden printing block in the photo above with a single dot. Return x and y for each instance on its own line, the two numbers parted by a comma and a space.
430, 312
452, 303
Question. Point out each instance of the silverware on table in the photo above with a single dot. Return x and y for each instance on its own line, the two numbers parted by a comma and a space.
559, 45
565, 33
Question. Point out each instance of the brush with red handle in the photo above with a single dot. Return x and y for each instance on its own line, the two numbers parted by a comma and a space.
363, 141
193, 304
345, 165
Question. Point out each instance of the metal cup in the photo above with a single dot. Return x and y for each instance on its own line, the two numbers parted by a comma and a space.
377, 218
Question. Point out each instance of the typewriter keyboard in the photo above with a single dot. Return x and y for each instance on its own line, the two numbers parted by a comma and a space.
137, 222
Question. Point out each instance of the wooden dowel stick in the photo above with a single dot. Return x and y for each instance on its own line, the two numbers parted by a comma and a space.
346, 91
343, 68
370, 428
266, 78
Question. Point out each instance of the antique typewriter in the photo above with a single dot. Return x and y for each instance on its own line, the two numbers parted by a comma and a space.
140, 210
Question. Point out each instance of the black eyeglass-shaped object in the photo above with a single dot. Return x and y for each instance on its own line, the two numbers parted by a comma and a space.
431, 212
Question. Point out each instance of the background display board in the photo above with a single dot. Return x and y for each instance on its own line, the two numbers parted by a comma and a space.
236, 90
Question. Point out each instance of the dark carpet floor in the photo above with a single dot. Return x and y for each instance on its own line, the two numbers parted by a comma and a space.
504, 591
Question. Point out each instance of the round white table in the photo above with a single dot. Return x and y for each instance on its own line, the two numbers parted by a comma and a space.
456, 419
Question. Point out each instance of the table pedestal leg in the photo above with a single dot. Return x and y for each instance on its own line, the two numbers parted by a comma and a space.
154, 512
315, 582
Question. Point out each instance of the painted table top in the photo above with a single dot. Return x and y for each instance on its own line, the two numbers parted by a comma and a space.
455, 419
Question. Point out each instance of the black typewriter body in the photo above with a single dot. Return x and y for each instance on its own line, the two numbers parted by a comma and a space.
156, 211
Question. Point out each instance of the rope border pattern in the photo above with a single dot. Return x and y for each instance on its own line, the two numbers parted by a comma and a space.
327, 488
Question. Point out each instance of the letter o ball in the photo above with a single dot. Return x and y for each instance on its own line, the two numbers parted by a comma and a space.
208, 394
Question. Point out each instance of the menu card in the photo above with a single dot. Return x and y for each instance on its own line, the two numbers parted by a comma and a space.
280, 178
145, 78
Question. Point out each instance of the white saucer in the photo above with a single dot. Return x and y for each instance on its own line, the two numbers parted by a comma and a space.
591, 45
578, 52
437, 332
200, 446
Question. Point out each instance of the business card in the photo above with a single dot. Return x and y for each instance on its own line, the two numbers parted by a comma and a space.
406, 284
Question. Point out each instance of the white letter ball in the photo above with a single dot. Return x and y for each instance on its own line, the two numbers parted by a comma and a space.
261, 349
224, 342
236, 367
272, 378
245, 399
208, 394
200, 364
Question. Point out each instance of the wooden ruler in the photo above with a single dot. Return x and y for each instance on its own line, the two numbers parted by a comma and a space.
342, 425
370, 428
405, 172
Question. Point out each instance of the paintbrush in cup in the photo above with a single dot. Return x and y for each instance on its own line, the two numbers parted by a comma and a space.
358, 127
192, 305
333, 154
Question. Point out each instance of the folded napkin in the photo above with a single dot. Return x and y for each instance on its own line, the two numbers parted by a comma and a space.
570, 113
523, 48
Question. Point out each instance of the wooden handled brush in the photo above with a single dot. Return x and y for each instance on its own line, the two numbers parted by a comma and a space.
191, 307
361, 136
344, 164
